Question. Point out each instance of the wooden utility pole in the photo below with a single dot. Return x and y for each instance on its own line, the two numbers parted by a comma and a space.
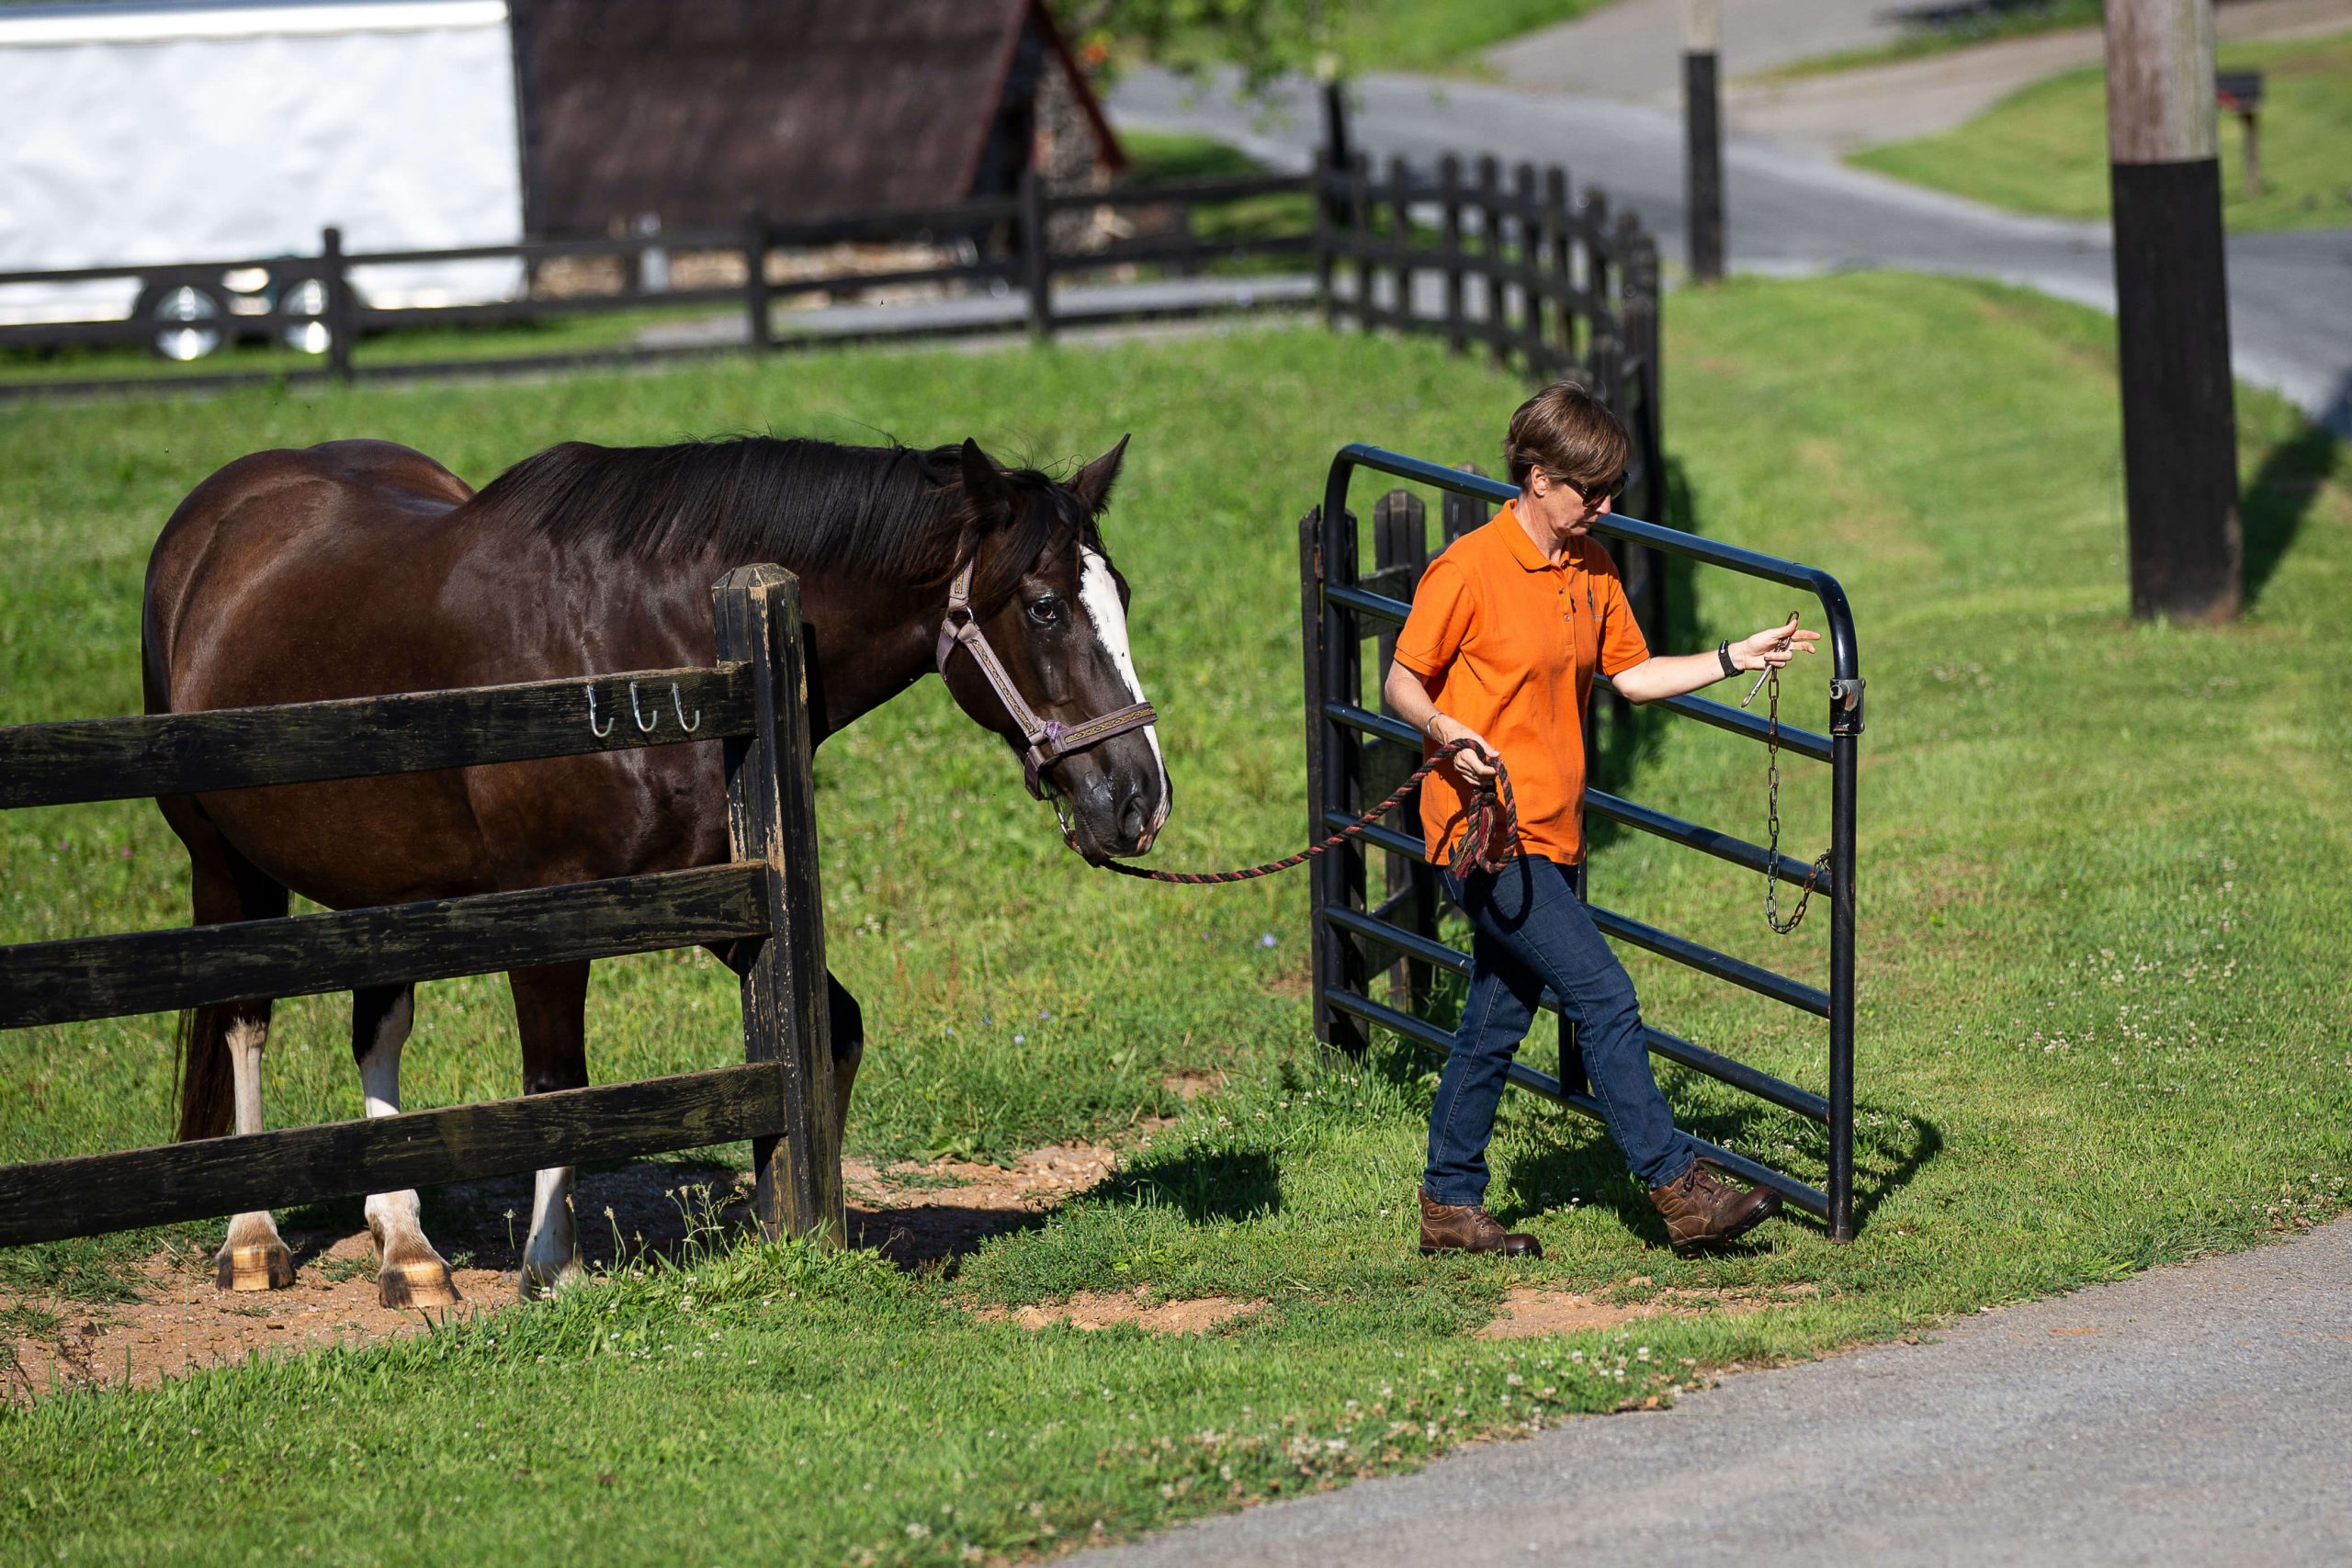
2180, 476
1702, 138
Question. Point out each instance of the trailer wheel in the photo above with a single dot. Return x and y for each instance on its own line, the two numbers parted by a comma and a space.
190, 319
306, 298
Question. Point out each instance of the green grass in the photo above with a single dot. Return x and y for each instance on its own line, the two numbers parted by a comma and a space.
2044, 149
2102, 1021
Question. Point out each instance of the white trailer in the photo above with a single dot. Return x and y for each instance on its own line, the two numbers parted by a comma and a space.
155, 134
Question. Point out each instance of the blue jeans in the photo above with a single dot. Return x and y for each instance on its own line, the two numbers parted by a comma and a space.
1529, 930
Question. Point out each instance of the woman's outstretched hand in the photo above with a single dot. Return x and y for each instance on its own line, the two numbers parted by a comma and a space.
1772, 648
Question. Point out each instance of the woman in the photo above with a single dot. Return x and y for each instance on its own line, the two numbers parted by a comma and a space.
1507, 627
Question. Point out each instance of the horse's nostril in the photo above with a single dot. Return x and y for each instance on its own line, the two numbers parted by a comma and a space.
1131, 819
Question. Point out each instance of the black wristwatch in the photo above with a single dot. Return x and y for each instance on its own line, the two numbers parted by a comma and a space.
1722, 653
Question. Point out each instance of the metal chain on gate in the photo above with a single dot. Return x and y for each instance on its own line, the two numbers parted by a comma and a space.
1772, 820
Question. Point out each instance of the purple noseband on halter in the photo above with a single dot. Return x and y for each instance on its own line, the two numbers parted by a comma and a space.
1047, 740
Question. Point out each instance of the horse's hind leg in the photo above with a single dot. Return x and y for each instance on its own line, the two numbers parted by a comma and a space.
409, 1272
221, 1043
551, 1013
253, 1258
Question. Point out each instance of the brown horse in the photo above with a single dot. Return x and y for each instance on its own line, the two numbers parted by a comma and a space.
360, 568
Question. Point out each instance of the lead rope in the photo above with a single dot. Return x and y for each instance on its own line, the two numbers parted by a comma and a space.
1772, 819
1489, 836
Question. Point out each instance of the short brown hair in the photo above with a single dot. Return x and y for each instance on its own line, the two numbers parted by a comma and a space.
1567, 432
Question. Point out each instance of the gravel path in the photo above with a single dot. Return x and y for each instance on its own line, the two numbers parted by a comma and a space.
2194, 1415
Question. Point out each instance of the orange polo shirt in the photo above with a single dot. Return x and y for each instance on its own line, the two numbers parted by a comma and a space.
1507, 642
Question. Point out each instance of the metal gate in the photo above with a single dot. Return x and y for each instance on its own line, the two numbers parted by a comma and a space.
1347, 744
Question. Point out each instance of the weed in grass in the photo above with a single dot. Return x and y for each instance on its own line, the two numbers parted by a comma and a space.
337, 1270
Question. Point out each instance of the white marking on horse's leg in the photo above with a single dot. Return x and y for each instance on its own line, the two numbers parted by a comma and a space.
1098, 592
253, 1257
409, 1270
551, 1256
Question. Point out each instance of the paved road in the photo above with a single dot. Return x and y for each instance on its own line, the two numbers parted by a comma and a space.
1794, 209
2197, 1414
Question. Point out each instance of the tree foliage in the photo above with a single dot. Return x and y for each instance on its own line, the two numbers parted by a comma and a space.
1262, 38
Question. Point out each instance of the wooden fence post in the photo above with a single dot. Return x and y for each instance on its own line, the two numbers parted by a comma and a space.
340, 324
1400, 233
1490, 251
1360, 236
1562, 283
1600, 356
1532, 244
1449, 190
1326, 238
755, 280
772, 822
1463, 513
1400, 550
1036, 264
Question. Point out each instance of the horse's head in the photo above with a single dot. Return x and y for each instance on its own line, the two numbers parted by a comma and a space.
1048, 606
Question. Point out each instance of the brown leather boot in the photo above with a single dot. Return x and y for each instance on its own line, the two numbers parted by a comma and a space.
1467, 1227
1703, 1212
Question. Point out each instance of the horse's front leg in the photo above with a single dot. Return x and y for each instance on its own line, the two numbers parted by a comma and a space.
550, 1012
409, 1272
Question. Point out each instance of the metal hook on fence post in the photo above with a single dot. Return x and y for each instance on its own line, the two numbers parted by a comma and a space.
599, 734
633, 713
679, 704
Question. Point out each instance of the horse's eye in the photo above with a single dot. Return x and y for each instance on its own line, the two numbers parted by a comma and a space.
1046, 611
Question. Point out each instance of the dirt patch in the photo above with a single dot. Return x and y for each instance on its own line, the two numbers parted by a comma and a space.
1528, 1313
1092, 1310
183, 1323
1192, 1083
1531, 1311
917, 1213
920, 1213
1289, 984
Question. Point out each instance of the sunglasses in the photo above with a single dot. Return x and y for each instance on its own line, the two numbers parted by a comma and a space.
1594, 493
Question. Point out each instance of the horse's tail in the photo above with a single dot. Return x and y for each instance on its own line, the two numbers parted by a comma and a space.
207, 1084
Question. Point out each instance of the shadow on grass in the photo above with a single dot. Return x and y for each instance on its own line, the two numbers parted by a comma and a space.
1204, 1185
1589, 1170
2280, 496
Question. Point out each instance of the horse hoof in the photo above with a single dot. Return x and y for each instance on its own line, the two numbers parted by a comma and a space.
265, 1267
421, 1284
530, 1285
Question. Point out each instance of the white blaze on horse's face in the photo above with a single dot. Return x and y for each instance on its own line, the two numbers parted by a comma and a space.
1098, 591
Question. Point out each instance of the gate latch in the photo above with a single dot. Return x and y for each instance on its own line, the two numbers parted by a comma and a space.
1846, 706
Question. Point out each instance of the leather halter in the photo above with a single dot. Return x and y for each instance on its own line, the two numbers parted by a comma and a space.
1046, 741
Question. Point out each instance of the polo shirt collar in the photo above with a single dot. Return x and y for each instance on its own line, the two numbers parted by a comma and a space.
1522, 549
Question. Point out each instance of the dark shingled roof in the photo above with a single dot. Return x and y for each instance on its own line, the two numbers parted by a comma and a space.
811, 108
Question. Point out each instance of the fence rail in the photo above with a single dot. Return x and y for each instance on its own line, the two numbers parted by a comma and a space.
1513, 268
765, 904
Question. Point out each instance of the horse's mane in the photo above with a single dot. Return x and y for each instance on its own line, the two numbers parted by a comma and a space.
888, 513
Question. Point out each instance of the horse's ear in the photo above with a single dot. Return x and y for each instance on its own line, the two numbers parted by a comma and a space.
1092, 484
983, 486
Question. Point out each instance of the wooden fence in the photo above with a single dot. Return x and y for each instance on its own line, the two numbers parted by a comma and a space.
766, 902
1515, 269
